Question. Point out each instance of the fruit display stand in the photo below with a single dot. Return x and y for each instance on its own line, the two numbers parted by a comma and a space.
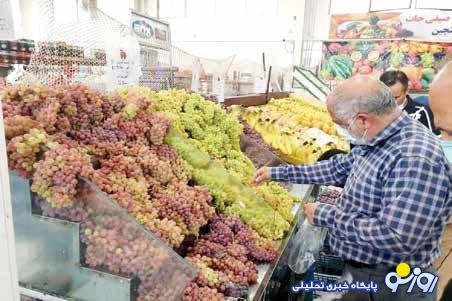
51, 251
216, 237
304, 192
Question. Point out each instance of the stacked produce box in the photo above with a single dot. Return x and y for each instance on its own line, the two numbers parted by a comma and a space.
171, 159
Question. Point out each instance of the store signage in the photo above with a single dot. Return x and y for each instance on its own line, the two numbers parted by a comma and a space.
419, 60
143, 29
418, 24
123, 63
151, 31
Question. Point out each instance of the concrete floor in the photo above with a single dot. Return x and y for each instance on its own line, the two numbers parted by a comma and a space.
444, 263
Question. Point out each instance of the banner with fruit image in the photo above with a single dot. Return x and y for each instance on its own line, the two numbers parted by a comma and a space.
417, 59
431, 25
367, 26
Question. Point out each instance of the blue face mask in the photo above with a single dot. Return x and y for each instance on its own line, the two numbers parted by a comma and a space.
447, 148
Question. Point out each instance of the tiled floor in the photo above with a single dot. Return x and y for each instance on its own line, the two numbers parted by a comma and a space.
444, 262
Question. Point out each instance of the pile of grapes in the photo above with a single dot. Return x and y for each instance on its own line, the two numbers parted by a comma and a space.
58, 135
208, 127
329, 196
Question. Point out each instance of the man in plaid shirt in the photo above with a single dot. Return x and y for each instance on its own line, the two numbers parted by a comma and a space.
397, 195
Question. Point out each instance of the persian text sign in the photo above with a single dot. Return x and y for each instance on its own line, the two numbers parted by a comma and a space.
428, 25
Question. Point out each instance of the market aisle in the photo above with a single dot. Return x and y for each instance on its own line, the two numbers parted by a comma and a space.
444, 263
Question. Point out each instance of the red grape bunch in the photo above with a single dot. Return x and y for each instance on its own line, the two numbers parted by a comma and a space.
55, 178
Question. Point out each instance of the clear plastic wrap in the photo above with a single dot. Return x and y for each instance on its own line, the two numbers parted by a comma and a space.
306, 245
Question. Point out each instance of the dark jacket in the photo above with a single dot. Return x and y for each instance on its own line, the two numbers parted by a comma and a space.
421, 113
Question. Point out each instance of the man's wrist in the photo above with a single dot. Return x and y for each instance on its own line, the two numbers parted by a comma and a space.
324, 215
278, 173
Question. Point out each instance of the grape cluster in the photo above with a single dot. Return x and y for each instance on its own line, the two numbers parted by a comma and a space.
59, 134
207, 276
195, 292
24, 150
189, 206
259, 249
278, 198
205, 123
329, 196
19, 125
113, 244
117, 141
55, 178
227, 254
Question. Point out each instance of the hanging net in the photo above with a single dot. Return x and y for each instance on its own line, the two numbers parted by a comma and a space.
82, 44
198, 74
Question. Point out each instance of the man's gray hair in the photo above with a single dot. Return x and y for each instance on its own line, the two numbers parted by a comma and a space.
368, 96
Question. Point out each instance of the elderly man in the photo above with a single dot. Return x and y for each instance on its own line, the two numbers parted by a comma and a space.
396, 198
441, 105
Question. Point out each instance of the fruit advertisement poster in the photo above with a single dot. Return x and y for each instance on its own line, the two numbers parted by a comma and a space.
367, 26
431, 25
344, 59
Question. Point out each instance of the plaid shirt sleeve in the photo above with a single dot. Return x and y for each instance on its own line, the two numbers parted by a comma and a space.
413, 197
329, 172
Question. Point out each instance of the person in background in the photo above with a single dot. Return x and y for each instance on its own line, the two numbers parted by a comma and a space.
396, 199
397, 81
421, 99
441, 104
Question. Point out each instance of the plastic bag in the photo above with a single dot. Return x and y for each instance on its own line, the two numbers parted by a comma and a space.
307, 244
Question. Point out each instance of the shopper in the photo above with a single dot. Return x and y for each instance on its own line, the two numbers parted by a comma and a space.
396, 198
441, 105
398, 82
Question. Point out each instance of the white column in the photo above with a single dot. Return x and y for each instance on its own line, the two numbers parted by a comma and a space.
8, 270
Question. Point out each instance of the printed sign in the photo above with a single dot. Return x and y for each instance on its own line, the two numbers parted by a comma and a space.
431, 25
123, 63
151, 31
367, 26
436, 25
320, 137
417, 59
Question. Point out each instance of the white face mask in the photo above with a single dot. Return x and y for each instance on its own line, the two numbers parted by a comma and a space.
402, 105
350, 136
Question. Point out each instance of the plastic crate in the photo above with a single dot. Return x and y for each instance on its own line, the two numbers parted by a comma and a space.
328, 268
328, 264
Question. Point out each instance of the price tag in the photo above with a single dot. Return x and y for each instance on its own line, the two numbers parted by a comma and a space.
321, 137
123, 63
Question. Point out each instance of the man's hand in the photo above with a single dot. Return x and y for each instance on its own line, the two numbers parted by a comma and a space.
309, 209
263, 174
